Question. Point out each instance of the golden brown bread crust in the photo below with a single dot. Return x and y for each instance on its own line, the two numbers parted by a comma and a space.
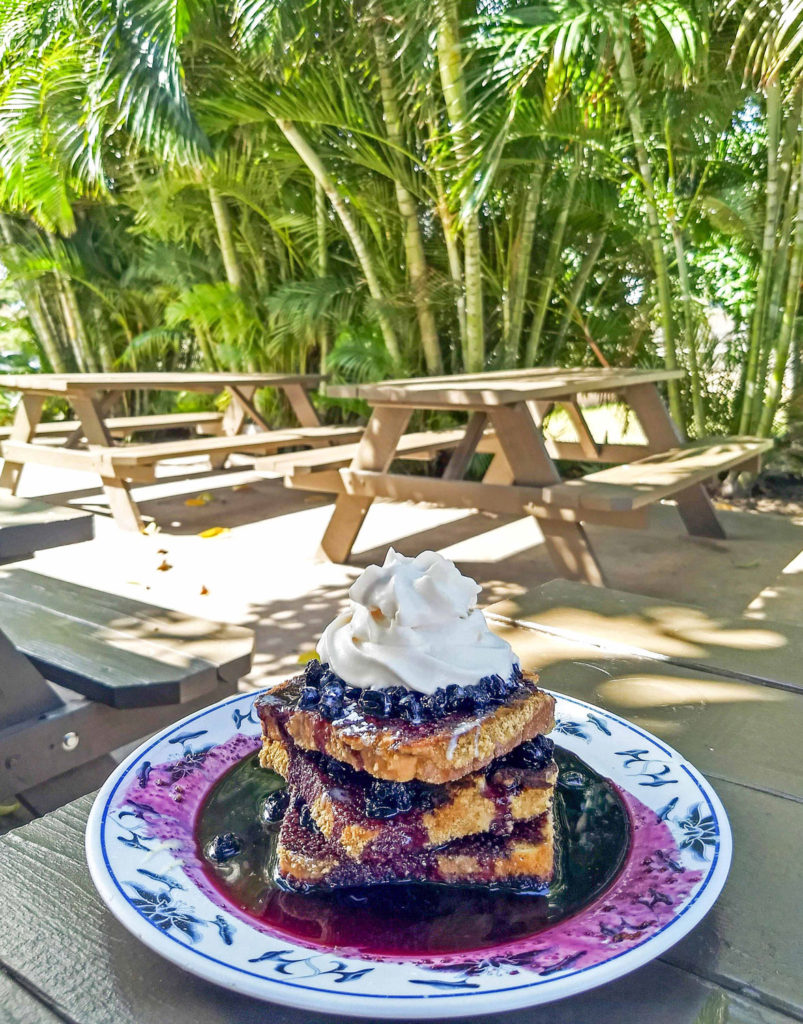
471, 805
437, 753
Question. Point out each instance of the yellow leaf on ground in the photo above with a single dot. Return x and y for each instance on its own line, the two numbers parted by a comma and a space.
8, 808
724, 506
199, 501
306, 656
164, 566
204, 591
241, 487
214, 531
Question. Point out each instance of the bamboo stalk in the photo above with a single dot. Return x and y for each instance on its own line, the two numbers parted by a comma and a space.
228, 252
450, 64
628, 82
450, 239
322, 258
408, 208
788, 320
315, 165
550, 269
578, 287
519, 259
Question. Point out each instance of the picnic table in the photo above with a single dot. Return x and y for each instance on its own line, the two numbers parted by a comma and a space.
89, 442
63, 956
506, 413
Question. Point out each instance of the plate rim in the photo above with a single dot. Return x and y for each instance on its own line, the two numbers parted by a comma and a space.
423, 1005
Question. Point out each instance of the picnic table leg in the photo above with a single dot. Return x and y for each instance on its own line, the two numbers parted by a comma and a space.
375, 451
524, 449
461, 456
122, 506
26, 420
694, 504
302, 406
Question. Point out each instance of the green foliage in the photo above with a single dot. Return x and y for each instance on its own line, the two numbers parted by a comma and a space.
385, 189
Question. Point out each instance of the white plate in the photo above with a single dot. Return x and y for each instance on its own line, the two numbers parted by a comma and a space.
143, 859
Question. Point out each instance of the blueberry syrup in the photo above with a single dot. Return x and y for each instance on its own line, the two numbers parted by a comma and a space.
592, 835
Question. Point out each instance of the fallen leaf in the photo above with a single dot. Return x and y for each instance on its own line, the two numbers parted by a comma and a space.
241, 487
162, 551
199, 500
214, 531
164, 566
204, 590
746, 565
724, 506
306, 656
9, 808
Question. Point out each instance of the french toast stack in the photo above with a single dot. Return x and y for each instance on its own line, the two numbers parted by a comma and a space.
388, 784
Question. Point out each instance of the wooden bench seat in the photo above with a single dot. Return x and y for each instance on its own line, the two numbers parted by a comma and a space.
420, 444
633, 485
123, 426
28, 525
137, 461
116, 650
616, 496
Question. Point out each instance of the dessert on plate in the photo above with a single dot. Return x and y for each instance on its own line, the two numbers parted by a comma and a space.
414, 749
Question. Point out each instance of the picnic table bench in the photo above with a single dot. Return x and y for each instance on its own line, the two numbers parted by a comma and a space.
28, 525
90, 442
741, 963
506, 414
83, 672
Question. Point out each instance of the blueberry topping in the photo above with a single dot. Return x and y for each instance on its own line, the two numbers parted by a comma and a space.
306, 819
436, 704
497, 689
396, 693
331, 706
458, 698
308, 698
410, 709
273, 807
223, 847
376, 703
352, 692
313, 672
387, 799
536, 753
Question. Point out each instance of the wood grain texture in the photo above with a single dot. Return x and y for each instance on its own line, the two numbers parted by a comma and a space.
739, 731
18, 1006
62, 383
129, 424
755, 650
28, 525
114, 650
56, 935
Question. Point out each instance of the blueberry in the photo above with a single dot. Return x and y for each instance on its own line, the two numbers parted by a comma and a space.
410, 709
306, 819
223, 847
376, 703
308, 698
331, 679
313, 672
352, 692
458, 698
387, 799
497, 689
331, 706
273, 807
535, 753
436, 703
396, 694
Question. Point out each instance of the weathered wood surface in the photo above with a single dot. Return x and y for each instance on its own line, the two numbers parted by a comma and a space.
115, 650
729, 729
58, 939
755, 650
634, 484
426, 442
28, 525
62, 383
500, 388
18, 1006
123, 425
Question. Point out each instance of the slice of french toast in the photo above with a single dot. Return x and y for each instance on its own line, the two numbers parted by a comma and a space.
308, 860
439, 749
370, 817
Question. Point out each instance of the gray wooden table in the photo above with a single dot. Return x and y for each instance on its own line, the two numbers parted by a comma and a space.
63, 957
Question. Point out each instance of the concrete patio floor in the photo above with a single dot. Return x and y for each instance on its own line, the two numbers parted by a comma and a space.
265, 571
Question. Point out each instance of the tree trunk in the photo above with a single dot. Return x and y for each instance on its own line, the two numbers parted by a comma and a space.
322, 254
225, 239
550, 269
454, 92
627, 78
698, 417
519, 259
315, 165
788, 320
767, 253
408, 208
455, 263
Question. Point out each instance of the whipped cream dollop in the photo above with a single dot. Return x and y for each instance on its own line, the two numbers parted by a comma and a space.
414, 622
